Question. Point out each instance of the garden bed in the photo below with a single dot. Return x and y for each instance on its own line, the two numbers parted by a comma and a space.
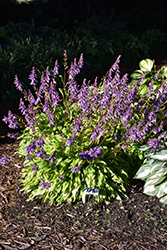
138, 222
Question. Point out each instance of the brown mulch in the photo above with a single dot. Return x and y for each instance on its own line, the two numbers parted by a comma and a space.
138, 222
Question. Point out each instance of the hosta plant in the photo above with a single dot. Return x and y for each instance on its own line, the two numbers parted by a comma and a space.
154, 170
148, 76
83, 137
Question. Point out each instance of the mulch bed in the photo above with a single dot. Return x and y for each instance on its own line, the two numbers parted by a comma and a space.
138, 222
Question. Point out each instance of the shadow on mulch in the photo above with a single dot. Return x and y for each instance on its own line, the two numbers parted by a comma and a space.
138, 222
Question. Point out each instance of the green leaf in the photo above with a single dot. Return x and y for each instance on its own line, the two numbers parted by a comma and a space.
156, 166
156, 180
146, 65
161, 155
163, 199
144, 147
165, 72
149, 189
161, 189
143, 90
137, 74
143, 172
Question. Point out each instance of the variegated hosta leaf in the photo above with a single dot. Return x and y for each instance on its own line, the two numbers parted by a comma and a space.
149, 189
146, 65
143, 172
161, 155
161, 189
163, 199
154, 171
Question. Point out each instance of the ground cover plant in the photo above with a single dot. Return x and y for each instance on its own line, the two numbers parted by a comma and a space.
136, 222
74, 138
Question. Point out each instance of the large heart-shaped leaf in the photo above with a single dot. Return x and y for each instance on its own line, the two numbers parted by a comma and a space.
146, 65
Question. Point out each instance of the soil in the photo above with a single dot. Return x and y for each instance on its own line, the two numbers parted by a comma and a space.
138, 222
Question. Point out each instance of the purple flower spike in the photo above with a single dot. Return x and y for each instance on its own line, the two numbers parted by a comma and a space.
11, 119
91, 154
32, 77
80, 63
13, 135
55, 70
22, 107
45, 185
34, 168
53, 157
18, 84
4, 160
154, 142
70, 140
74, 170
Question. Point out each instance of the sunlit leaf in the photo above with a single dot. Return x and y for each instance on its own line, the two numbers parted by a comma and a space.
146, 65
137, 74
143, 172
160, 190
162, 155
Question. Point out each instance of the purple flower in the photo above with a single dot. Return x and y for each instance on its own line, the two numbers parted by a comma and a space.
50, 118
4, 160
41, 142
55, 70
83, 97
31, 98
13, 135
95, 133
97, 152
77, 125
73, 90
80, 62
62, 177
70, 140
53, 157
46, 106
75, 169
22, 107
45, 184
12, 120
47, 75
54, 95
34, 168
33, 77
18, 190
91, 154
31, 147
154, 142
75, 69
39, 153
18, 84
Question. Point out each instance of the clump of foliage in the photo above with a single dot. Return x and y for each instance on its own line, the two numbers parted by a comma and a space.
154, 168
84, 136
148, 76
